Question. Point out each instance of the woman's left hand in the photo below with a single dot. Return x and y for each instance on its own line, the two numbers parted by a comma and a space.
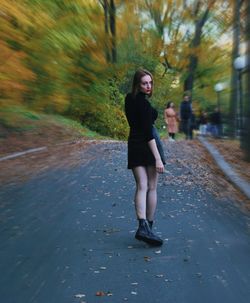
159, 166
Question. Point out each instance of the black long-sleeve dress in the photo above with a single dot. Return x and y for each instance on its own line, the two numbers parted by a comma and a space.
141, 116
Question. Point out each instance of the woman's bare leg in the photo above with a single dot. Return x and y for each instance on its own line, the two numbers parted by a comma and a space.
151, 201
141, 179
145, 203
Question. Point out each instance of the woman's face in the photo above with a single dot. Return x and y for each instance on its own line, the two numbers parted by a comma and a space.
146, 85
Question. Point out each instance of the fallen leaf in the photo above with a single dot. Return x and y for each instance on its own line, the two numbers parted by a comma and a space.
79, 296
160, 276
100, 293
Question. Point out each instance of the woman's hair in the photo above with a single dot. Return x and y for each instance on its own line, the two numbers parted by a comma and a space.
169, 103
140, 73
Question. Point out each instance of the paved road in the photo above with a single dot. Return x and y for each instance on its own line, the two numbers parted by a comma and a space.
68, 235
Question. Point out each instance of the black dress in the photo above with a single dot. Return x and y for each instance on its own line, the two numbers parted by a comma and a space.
141, 116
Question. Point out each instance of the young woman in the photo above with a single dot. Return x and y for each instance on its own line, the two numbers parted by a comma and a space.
143, 156
171, 120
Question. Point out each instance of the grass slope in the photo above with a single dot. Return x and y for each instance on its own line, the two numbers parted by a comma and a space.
21, 129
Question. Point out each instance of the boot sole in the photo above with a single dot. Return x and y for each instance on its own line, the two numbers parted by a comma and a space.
149, 241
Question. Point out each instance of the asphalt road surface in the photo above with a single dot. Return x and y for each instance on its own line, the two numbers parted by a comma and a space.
67, 236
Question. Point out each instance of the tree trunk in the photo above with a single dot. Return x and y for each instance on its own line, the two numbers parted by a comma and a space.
246, 127
106, 28
112, 15
234, 77
193, 59
189, 81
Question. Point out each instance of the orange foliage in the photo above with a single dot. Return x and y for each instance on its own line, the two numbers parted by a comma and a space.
13, 72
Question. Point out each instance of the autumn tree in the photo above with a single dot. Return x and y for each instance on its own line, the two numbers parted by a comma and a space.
109, 9
14, 72
200, 15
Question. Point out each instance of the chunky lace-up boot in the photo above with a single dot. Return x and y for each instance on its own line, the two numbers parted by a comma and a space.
150, 224
145, 234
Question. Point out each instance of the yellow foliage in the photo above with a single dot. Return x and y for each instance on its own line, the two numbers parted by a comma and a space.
15, 9
59, 102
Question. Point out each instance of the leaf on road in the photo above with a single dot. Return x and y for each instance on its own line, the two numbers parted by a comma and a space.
100, 293
80, 296
160, 276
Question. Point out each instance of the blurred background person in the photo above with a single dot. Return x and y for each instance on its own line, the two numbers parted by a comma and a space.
171, 120
203, 120
216, 123
193, 125
185, 115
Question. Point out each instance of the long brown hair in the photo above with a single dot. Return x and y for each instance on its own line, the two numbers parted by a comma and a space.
169, 103
140, 73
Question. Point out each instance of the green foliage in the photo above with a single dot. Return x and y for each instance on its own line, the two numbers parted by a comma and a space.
19, 119
55, 61
107, 120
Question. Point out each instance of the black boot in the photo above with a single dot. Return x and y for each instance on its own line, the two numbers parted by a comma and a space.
150, 223
145, 234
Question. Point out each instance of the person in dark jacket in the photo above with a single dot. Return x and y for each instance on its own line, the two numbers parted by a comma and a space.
193, 125
203, 121
143, 156
216, 123
185, 116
